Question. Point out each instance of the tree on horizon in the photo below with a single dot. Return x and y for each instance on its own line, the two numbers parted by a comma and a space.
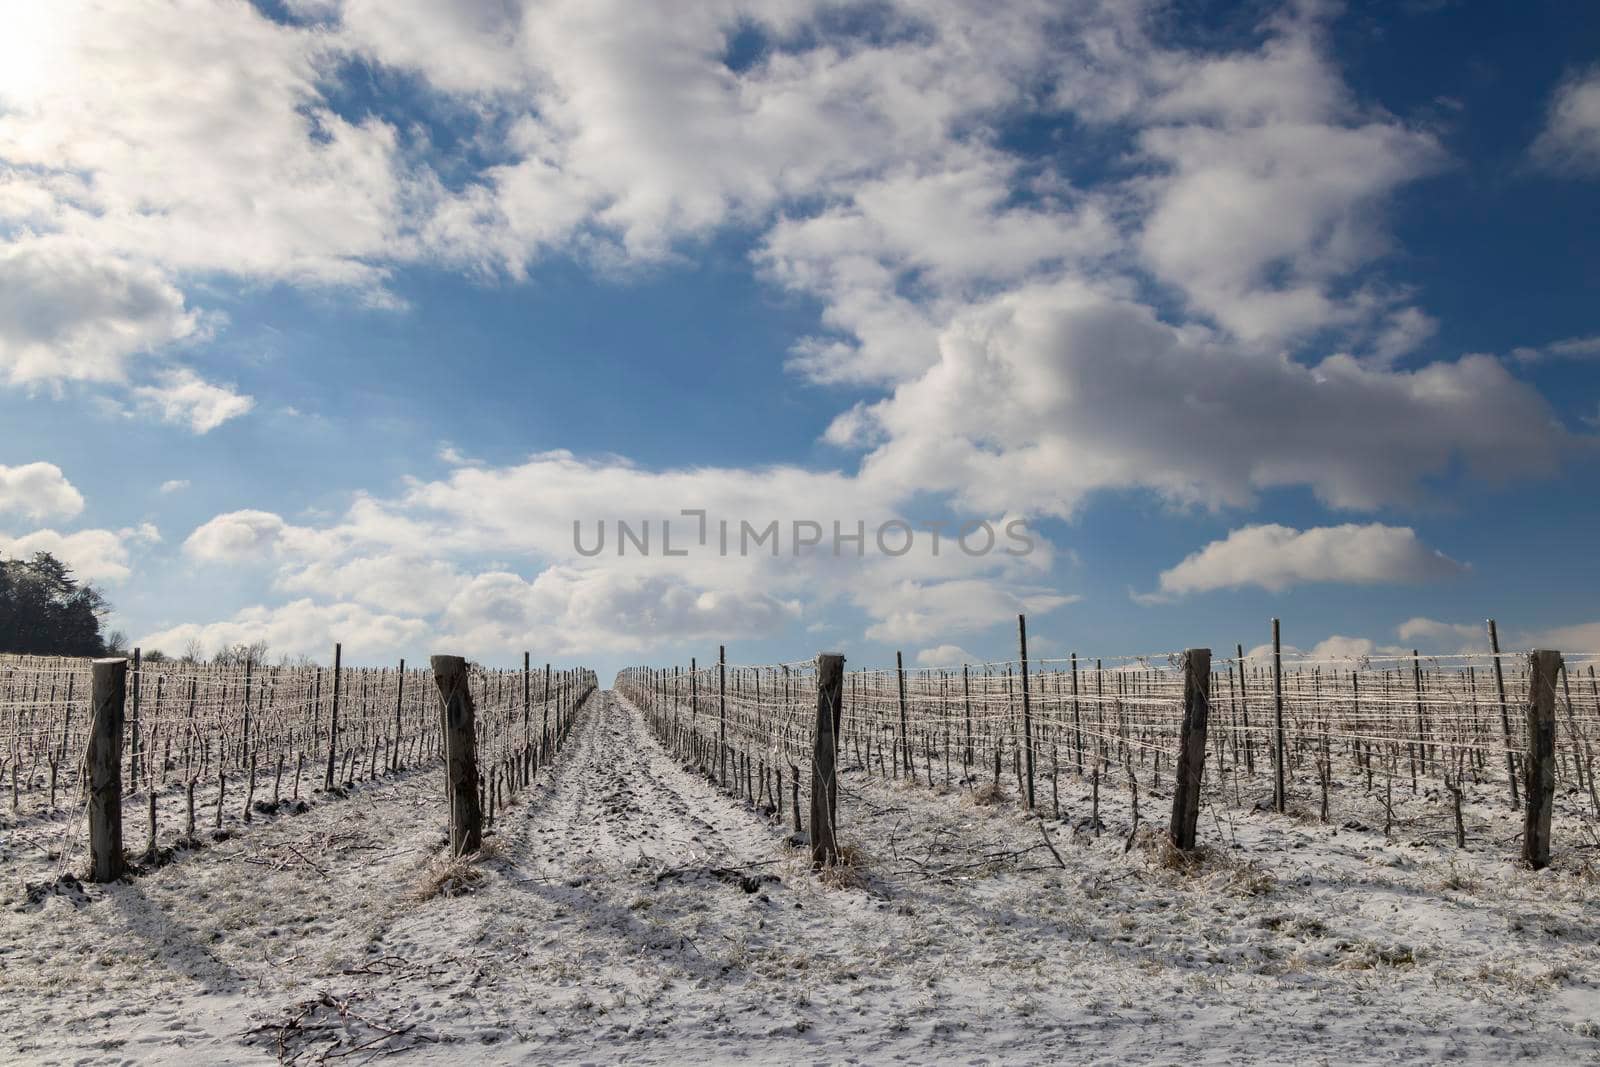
46, 611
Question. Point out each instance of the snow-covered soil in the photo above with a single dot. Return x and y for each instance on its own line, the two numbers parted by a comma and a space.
631, 911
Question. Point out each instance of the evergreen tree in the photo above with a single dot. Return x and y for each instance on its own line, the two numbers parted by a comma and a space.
44, 610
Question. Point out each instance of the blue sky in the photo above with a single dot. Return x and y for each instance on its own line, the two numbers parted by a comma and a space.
1247, 311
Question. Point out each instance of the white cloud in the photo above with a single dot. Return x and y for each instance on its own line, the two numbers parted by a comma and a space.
1256, 186
1276, 557
406, 584
911, 611
1004, 311
424, 554
1333, 647
38, 491
299, 628
1444, 635
94, 555
239, 536
173, 485
1570, 140
1049, 392
256, 177
1576, 643
69, 309
573, 610
121, 181
1271, 184
182, 398
1569, 348
945, 656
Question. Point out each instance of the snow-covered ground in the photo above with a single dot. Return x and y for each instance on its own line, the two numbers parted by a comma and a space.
633, 912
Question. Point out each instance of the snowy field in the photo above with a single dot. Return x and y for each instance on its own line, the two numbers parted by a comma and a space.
629, 911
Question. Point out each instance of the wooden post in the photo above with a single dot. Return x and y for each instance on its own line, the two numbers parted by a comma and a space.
109, 691
1422, 726
245, 748
722, 716
1505, 714
544, 731
133, 739
1244, 712
1077, 722
461, 752
966, 704
1280, 795
333, 722
1191, 746
824, 781
1539, 765
905, 734
1027, 707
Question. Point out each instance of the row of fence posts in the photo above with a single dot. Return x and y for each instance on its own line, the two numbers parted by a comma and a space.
1539, 767
458, 718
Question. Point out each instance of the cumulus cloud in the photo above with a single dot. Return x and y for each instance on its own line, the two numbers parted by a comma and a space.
1579, 642
912, 611
1339, 646
299, 628
94, 555
181, 397
1333, 647
1270, 178
1582, 640
173, 485
945, 656
69, 309
402, 583
423, 553
1001, 312
1424, 631
1568, 348
1047, 393
239, 536
122, 182
1570, 140
257, 176
1256, 186
575, 610
1276, 557
38, 491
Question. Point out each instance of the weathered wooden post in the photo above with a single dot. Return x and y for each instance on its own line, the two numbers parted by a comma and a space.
1191, 746
1280, 796
1423, 753
333, 721
544, 731
1027, 707
905, 734
133, 739
109, 691
1077, 722
461, 753
1539, 765
399, 707
824, 749
1505, 714
722, 716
